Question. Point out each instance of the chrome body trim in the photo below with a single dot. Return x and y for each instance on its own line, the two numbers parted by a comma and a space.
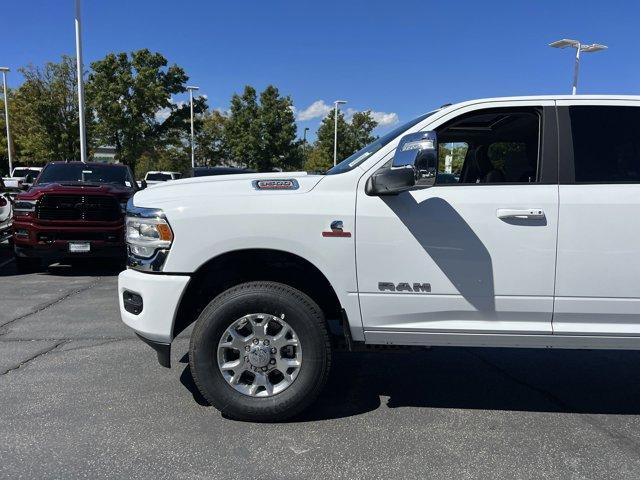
151, 264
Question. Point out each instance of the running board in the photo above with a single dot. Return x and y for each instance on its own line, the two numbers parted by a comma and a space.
378, 337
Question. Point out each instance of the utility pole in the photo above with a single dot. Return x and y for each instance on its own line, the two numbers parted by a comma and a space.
4, 71
193, 152
335, 132
81, 120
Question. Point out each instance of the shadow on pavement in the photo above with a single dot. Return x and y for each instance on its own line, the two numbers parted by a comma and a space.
563, 381
79, 268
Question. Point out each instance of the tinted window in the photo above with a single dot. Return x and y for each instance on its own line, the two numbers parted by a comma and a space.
158, 177
75, 172
23, 172
616, 160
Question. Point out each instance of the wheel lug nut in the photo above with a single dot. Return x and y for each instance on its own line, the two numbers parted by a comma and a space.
273, 350
272, 361
264, 369
256, 341
247, 348
246, 359
266, 342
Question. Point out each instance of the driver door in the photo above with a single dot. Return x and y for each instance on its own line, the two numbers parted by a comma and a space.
457, 257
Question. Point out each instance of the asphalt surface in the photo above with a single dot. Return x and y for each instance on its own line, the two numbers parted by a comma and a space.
81, 396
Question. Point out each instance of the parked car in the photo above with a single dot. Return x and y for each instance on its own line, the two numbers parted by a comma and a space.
6, 212
211, 171
533, 246
22, 177
154, 177
74, 210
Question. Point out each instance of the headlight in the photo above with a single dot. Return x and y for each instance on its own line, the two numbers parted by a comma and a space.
147, 231
21, 206
146, 235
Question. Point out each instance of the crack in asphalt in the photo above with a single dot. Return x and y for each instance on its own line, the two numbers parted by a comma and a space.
41, 308
55, 339
630, 444
106, 342
32, 358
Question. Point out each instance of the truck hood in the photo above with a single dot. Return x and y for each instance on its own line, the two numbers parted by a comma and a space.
72, 188
222, 185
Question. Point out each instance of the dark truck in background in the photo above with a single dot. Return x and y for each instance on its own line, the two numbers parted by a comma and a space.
73, 210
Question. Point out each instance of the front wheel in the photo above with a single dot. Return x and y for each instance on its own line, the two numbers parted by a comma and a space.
260, 351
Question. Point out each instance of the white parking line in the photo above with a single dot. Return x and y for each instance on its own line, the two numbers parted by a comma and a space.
7, 262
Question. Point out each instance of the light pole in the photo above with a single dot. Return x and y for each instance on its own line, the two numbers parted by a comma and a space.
335, 132
4, 71
304, 143
83, 136
193, 154
566, 42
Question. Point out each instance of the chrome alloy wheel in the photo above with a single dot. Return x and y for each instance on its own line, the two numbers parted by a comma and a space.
259, 355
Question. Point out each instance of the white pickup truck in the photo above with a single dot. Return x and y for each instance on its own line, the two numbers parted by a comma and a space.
22, 177
529, 239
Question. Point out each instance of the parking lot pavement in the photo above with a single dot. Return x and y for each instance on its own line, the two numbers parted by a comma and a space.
81, 396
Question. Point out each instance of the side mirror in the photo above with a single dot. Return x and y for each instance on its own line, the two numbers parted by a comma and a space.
415, 165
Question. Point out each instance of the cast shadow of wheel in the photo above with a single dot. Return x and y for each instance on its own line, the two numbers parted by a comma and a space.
530, 380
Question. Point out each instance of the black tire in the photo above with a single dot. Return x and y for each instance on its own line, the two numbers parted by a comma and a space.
302, 314
28, 265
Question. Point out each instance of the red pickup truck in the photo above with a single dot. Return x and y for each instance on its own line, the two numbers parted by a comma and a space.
73, 210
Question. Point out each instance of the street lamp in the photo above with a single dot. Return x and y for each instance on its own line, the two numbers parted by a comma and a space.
335, 133
193, 155
304, 143
83, 137
565, 43
4, 71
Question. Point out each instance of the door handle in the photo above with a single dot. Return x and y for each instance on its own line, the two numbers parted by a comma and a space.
525, 213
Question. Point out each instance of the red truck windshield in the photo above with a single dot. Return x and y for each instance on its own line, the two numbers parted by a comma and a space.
68, 173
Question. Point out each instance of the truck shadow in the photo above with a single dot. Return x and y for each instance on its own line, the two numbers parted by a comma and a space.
88, 268
531, 380
451, 243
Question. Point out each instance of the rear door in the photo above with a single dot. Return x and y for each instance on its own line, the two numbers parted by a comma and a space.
598, 269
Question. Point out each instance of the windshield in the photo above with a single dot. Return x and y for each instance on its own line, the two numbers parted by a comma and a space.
74, 172
158, 177
23, 172
361, 155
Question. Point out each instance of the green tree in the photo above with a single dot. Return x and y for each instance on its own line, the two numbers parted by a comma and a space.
125, 93
241, 129
318, 160
361, 130
325, 137
352, 136
44, 114
278, 146
262, 134
211, 147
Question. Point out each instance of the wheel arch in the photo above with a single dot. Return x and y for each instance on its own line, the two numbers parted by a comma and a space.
256, 264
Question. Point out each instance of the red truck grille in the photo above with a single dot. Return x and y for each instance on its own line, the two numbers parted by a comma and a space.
91, 208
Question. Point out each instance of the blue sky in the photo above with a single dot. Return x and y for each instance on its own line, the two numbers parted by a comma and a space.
397, 58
